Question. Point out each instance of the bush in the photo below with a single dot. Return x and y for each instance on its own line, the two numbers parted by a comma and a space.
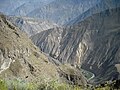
3, 85
16, 84
53, 85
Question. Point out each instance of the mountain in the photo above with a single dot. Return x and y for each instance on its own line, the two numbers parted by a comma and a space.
85, 38
20, 58
26, 8
49, 41
57, 11
29, 6
31, 26
92, 44
101, 6
21, 7
13, 4
62, 11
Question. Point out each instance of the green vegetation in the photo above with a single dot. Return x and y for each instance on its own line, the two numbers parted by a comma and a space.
57, 86
18, 84
3, 85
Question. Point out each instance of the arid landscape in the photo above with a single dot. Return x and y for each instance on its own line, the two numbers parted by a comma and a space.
59, 44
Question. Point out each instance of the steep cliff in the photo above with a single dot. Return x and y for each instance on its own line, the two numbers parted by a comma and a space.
19, 58
90, 38
97, 8
92, 44
21, 7
31, 26
58, 11
13, 4
62, 11
49, 41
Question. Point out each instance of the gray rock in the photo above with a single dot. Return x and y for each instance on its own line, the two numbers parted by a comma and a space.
31, 26
93, 44
21, 59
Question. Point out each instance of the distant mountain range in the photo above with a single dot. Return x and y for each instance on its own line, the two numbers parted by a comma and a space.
31, 26
59, 11
82, 33
21, 7
62, 11
93, 44
91, 40
21, 59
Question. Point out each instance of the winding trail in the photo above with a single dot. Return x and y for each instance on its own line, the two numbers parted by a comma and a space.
86, 73
91, 77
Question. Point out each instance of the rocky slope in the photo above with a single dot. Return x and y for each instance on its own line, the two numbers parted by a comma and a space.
49, 41
26, 8
90, 41
57, 11
31, 26
19, 58
102, 54
29, 6
92, 44
62, 11
21, 7
101, 6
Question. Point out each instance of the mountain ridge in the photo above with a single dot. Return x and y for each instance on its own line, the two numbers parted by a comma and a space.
80, 42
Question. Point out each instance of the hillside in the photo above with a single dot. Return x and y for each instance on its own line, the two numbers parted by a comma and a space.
99, 7
62, 11
21, 7
31, 26
21, 59
13, 4
78, 40
90, 44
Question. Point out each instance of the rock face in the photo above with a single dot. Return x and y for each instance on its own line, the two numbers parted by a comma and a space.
12, 5
101, 6
62, 11
92, 43
89, 40
29, 6
58, 11
102, 54
21, 7
19, 58
31, 26
26, 8
49, 41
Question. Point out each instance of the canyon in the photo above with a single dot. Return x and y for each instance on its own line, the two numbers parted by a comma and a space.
82, 35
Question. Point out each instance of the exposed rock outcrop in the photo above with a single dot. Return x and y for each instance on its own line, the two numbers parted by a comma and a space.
20, 58
92, 43
31, 26
62, 11
21, 7
58, 11
49, 41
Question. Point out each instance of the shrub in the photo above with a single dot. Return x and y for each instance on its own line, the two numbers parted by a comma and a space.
3, 85
16, 84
